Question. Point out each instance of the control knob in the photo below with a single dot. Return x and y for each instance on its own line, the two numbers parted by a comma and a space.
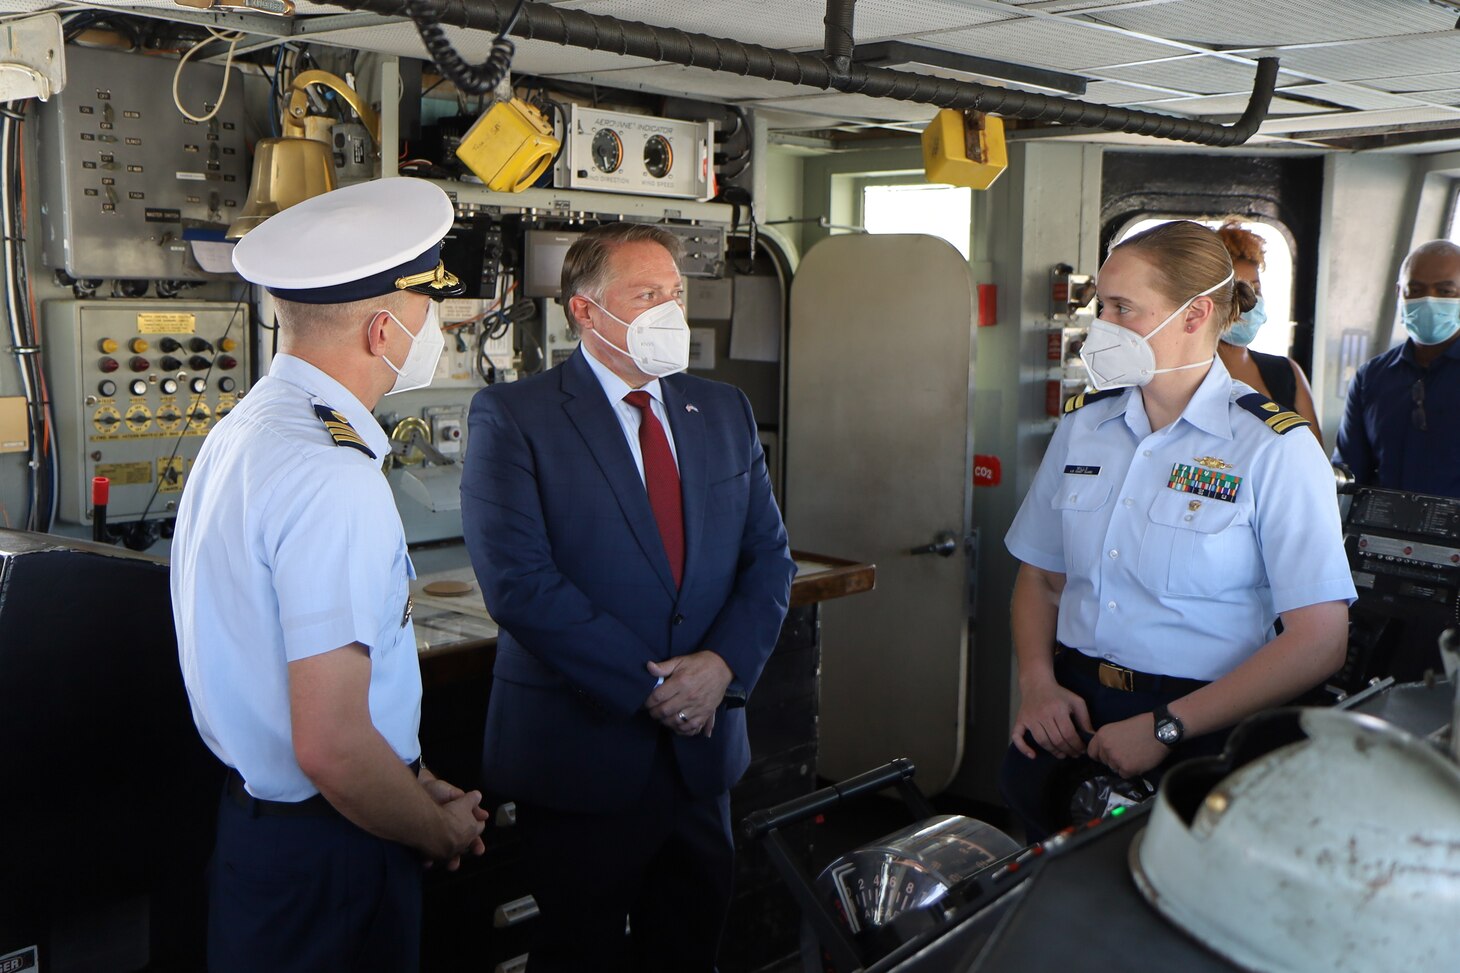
198, 363
169, 344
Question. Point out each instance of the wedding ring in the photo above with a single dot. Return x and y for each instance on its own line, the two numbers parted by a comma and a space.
683, 716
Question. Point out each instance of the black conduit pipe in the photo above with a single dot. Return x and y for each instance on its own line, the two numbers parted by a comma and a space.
595, 32
837, 47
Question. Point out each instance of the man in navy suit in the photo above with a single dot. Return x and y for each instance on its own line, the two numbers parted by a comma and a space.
623, 530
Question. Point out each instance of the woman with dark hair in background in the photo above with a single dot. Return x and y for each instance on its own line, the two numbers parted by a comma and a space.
1275, 376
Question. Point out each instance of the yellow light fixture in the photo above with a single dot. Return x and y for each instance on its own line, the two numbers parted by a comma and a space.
298, 165
509, 147
964, 149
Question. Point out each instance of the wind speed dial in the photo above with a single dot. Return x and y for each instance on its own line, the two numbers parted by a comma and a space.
658, 156
608, 150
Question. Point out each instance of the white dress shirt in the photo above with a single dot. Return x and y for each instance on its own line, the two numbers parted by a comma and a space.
628, 416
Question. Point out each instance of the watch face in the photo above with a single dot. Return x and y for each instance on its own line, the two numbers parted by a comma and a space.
1167, 733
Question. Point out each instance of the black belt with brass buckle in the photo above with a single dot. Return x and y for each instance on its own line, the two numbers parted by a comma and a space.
1126, 680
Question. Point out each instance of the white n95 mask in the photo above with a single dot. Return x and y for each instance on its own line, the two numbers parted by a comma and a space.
419, 367
658, 338
1117, 357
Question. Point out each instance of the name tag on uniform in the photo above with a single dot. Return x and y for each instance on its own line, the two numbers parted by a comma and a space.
1204, 483
1083, 470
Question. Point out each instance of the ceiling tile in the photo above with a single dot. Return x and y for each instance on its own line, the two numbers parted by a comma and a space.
1366, 119
1362, 60
1198, 74
841, 106
1223, 105
1348, 95
1419, 82
794, 25
1265, 23
1051, 44
671, 79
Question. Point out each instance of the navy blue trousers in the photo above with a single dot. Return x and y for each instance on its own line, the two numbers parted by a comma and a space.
1038, 790
310, 895
664, 867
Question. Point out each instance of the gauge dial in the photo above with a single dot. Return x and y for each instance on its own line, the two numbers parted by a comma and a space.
658, 156
107, 420
169, 419
198, 416
608, 150
138, 418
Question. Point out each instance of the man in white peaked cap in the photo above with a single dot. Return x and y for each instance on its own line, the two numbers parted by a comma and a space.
290, 588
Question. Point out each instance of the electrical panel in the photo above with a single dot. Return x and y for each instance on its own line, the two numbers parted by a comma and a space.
123, 173
135, 386
636, 154
702, 249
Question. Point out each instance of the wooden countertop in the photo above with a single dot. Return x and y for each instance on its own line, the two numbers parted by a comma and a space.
456, 638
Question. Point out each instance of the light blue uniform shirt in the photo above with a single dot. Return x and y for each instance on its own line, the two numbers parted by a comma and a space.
1167, 581
288, 545
629, 416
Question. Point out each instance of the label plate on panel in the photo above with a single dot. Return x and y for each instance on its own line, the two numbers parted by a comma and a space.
125, 474
166, 322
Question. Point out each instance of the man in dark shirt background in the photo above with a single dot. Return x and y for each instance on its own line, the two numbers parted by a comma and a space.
1399, 425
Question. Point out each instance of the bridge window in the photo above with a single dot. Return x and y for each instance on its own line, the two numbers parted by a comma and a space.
940, 211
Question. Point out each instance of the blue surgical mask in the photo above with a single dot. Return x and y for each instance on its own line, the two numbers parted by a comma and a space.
1432, 320
1245, 328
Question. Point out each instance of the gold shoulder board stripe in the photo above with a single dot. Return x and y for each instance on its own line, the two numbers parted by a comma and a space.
1271, 413
1085, 398
341, 431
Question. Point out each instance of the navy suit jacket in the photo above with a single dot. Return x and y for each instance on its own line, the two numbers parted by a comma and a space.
569, 558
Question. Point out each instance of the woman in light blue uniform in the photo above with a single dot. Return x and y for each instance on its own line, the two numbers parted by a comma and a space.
1174, 519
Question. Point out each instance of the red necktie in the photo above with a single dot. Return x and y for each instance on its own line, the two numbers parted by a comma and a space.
661, 479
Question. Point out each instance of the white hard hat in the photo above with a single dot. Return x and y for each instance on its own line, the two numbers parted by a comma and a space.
1335, 852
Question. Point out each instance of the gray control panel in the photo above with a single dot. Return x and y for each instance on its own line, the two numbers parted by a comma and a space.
123, 172
135, 386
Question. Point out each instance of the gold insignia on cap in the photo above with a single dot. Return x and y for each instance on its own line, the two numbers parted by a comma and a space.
1212, 463
438, 279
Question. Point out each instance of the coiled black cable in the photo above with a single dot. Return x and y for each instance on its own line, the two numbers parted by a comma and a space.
472, 79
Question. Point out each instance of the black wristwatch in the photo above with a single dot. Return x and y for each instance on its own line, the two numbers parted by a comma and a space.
1169, 729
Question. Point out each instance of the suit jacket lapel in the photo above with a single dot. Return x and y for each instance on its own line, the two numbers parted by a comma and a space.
688, 427
593, 416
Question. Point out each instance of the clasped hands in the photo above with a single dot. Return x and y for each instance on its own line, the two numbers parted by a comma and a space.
694, 685
1058, 721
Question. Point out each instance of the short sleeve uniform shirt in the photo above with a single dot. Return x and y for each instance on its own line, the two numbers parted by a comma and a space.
288, 545
1181, 546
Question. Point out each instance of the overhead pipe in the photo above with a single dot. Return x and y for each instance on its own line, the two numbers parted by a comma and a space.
836, 49
595, 32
